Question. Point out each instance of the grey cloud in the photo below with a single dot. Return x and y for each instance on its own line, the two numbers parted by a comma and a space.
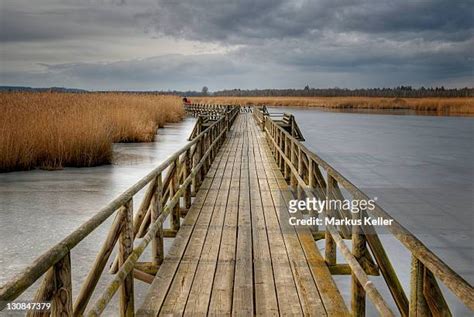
157, 73
53, 21
241, 69
246, 21
266, 43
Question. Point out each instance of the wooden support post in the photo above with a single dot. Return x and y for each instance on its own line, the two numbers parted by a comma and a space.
287, 154
433, 296
125, 249
206, 161
157, 248
312, 185
300, 190
61, 304
196, 159
359, 249
329, 249
388, 272
57, 288
175, 213
282, 147
187, 171
294, 162
90, 283
418, 305
330, 246
44, 293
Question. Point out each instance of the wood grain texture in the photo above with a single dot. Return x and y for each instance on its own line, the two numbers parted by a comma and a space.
236, 254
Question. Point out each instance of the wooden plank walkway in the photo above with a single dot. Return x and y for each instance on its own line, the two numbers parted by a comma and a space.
235, 252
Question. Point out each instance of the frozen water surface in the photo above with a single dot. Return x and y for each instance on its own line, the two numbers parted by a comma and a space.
421, 170
39, 208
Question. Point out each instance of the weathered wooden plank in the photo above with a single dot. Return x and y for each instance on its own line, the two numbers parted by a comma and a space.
287, 293
200, 293
222, 289
175, 301
159, 288
331, 297
264, 284
307, 290
243, 302
178, 293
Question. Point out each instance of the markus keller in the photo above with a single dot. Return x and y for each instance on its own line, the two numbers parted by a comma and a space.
367, 221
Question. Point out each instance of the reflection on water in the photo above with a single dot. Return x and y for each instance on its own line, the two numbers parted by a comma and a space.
419, 167
39, 208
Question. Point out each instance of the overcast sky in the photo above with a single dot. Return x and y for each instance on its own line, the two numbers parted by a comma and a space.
177, 44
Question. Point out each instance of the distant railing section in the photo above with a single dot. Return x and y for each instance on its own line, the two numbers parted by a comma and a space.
303, 170
207, 114
170, 187
212, 112
285, 120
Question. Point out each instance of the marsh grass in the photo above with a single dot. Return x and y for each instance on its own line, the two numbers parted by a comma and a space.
439, 106
54, 130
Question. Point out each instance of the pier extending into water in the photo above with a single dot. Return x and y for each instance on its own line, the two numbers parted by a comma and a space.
224, 198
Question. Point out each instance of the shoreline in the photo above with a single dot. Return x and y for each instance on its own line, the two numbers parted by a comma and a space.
435, 106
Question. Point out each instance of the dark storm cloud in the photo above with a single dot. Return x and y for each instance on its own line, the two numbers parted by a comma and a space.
245, 21
95, 44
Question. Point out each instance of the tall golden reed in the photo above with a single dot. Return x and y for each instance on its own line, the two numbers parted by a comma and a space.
54, 130
439, 106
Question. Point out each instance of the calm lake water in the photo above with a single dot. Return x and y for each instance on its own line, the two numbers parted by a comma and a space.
420, 168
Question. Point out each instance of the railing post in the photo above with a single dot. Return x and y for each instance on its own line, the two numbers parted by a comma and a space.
62, 299
418, 305
358, 250
57, 288
294, 162
281, 163
312, 185
330, 246
175, 213
300, 189
125, 249
196, 158
287, 154
205, 163
187, 172
157, 250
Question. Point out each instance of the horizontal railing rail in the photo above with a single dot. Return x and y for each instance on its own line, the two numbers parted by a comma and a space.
169, 188
303, 170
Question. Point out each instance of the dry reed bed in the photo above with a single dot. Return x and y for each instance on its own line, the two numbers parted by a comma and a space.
441, 106
54, 130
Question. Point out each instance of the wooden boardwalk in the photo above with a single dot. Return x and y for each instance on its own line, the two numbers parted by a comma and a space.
235, 252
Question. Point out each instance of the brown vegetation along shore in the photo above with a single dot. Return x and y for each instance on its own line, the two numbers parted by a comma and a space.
440, 106
54, 130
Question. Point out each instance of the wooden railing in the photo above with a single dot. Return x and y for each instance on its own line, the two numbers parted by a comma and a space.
303, 169
170, 187
212, 111
205, 118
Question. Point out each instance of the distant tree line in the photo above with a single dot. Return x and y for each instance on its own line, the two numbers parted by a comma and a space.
400, 91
